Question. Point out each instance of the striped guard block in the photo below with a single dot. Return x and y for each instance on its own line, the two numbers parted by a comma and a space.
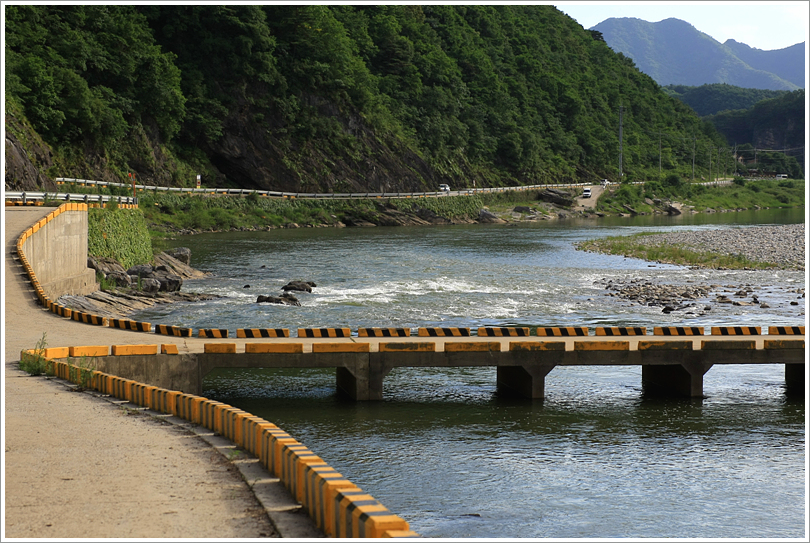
736, 330
562, 331
176, 331
621, 331
383, 332
318, 492
188, 407
271, 440
232, 424
87, 318
292, 455
211, 414
786, 330
444, 332
708, 345
504, 332
164, 401
213, 332
324, 332
678, 331
661, 345
252, 428
360, 515
262, 332
130, 325
399, 534
169, 348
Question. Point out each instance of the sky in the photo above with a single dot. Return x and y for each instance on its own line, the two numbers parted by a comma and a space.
762, 25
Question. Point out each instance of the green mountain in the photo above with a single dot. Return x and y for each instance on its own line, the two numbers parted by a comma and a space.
714, 98
673, 52
787, 63
322, 98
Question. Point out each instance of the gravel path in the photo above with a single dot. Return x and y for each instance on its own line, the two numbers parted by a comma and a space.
783, 245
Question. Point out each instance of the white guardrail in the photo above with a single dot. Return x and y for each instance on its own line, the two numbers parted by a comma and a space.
26, 197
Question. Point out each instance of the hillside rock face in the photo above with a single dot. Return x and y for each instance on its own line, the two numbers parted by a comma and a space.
27, 158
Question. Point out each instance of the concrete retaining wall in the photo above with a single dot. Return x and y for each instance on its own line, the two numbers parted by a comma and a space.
56, 249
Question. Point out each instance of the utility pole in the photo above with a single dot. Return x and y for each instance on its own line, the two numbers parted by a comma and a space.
710, 166
659, 155
621, 148
694, 142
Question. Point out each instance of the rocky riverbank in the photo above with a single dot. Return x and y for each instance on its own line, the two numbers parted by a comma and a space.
138, 288
778, 247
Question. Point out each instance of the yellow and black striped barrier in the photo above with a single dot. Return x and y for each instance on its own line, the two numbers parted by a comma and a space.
621, 331
213, 332
736, 330
264, 348
176, 331
87, 318
678, 331
504, 331
262, 332
407, 347
444, 332
130, 325
383, 332
562, 331
786, 330
324, 332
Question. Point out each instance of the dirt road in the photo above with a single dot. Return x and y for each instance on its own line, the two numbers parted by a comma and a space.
80, 466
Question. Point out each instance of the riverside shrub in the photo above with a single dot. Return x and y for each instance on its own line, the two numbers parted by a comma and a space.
121, 234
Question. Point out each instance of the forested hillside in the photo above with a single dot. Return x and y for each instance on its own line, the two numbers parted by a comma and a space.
673, 52
717, 97
327, 98
777, 123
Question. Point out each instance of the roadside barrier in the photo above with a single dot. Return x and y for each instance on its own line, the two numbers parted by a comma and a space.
621, 331
786, 330
338, 507
503, 332
384, 332
736, 330
564, 331
678, 331
130, 325
324, 332
168, 330
87, 318
262, 332
213, 332
444, 332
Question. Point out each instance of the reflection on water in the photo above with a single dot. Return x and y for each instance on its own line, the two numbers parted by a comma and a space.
596, 458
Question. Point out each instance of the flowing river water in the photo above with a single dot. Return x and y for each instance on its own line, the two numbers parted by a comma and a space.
596, 458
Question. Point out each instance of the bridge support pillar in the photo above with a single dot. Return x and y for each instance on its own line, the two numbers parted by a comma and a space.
351, 375
526, 381
685, 379
794, 378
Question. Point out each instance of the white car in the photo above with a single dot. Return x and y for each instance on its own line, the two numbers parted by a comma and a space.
444, 188
586, 193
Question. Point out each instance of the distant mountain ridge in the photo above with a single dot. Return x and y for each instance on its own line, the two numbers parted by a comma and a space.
673, 52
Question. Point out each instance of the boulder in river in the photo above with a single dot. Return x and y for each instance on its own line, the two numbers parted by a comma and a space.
301, 286
284, 299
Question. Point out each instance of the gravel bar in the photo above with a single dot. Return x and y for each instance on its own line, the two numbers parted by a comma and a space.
781, 245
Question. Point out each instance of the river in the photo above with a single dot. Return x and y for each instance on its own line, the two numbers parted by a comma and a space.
596, 458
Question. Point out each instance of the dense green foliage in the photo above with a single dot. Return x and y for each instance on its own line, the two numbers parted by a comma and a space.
121, 234
744, 195
313, 94
673, 52
717, 97
778, 123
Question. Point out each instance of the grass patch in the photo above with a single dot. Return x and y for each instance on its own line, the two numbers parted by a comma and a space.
635, 247
34, 363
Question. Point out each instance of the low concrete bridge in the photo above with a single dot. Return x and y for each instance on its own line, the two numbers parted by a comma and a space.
670, 365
